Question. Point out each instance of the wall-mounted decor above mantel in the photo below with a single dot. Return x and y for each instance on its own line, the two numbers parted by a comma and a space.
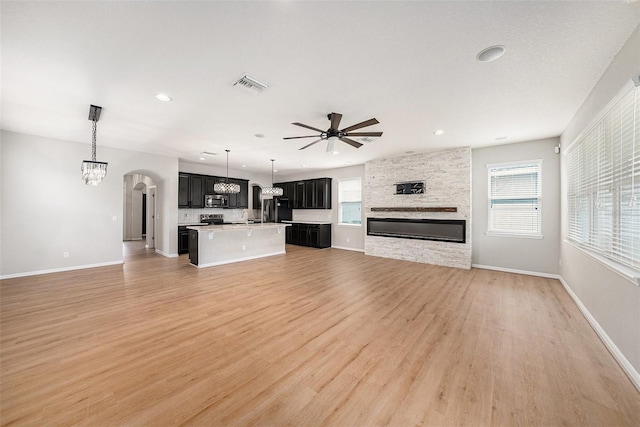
415, 209
410, 187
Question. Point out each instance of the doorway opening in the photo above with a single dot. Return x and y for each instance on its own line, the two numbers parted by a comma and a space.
139, 209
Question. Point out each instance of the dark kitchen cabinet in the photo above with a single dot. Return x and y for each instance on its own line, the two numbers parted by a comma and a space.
322, 193
183, 240
196, 186
193, 247
184, 191
314, 235
308, 194
257, 196
298, 195
193, 187
241, 199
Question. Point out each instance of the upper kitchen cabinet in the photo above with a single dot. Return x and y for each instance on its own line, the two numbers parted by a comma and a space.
308, 194
322, 192
193, 187
190, 190
196, 186
241, 199
184, 191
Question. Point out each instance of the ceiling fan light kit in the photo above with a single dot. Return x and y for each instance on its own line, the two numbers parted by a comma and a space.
334, 134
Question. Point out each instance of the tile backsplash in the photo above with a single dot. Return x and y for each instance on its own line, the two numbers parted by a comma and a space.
312, 215
192, 216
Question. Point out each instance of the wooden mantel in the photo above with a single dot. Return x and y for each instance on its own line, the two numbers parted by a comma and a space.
415, 209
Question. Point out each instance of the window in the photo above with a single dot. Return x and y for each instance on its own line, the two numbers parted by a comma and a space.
349, 200
603, 182
514, 199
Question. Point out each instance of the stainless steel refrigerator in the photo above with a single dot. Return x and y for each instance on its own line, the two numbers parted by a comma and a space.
276, 210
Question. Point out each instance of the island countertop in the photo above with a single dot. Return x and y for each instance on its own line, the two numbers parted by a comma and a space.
306, 222
239, 226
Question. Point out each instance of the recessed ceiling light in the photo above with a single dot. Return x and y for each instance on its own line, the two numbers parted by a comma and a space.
335, 152
275, 170
244, 166
439, 132
163, 97
202, 158
303, 166
490, 54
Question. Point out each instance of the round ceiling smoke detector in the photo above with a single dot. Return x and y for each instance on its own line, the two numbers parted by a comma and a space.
490, 54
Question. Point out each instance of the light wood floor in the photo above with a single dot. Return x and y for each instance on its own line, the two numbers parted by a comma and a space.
313, 337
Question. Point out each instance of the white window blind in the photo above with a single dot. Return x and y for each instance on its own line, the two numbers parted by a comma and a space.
350, 201
603, 182
514, 198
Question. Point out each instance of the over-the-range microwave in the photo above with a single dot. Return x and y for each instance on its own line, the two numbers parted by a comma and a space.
215, 201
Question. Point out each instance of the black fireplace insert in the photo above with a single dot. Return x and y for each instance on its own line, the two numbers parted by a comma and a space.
446, 230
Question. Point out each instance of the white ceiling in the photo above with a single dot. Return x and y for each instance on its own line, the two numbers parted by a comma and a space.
411, 65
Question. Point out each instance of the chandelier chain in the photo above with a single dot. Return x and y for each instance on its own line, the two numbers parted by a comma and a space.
93, 140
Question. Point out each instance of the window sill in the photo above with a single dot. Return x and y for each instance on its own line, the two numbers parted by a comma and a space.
346, 224
521, 236
628, 273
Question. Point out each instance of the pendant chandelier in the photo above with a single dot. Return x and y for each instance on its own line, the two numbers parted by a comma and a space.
226, 187
272, 191
92, 171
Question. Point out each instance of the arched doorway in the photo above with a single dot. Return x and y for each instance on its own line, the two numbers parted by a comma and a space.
139, 209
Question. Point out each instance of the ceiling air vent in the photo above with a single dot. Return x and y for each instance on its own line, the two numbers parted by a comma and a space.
250, 84
366, 139
208, 153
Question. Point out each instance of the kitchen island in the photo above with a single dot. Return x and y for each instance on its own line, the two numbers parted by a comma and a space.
211, 245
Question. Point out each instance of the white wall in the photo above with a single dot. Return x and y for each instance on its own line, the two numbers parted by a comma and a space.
517, 253
342, 236
47, 209
612, 299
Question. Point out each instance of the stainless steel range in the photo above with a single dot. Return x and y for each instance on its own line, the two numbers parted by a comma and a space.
211, 219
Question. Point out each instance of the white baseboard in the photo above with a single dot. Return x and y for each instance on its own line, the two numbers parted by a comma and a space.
512, 270
347, 249
633, 375
166, 255
213, 264
58, 270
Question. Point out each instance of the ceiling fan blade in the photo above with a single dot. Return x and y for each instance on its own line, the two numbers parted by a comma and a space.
351, 142
309, 145
363, 134
361, 125
335, 120
298, 137
308, 127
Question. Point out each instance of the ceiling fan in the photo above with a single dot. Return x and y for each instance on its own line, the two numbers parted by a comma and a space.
334, 134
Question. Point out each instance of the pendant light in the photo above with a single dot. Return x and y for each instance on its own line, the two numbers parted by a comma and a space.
226, 187
272, 191
92, 171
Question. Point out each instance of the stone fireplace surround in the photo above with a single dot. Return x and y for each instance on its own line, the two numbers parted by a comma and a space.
447, 177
